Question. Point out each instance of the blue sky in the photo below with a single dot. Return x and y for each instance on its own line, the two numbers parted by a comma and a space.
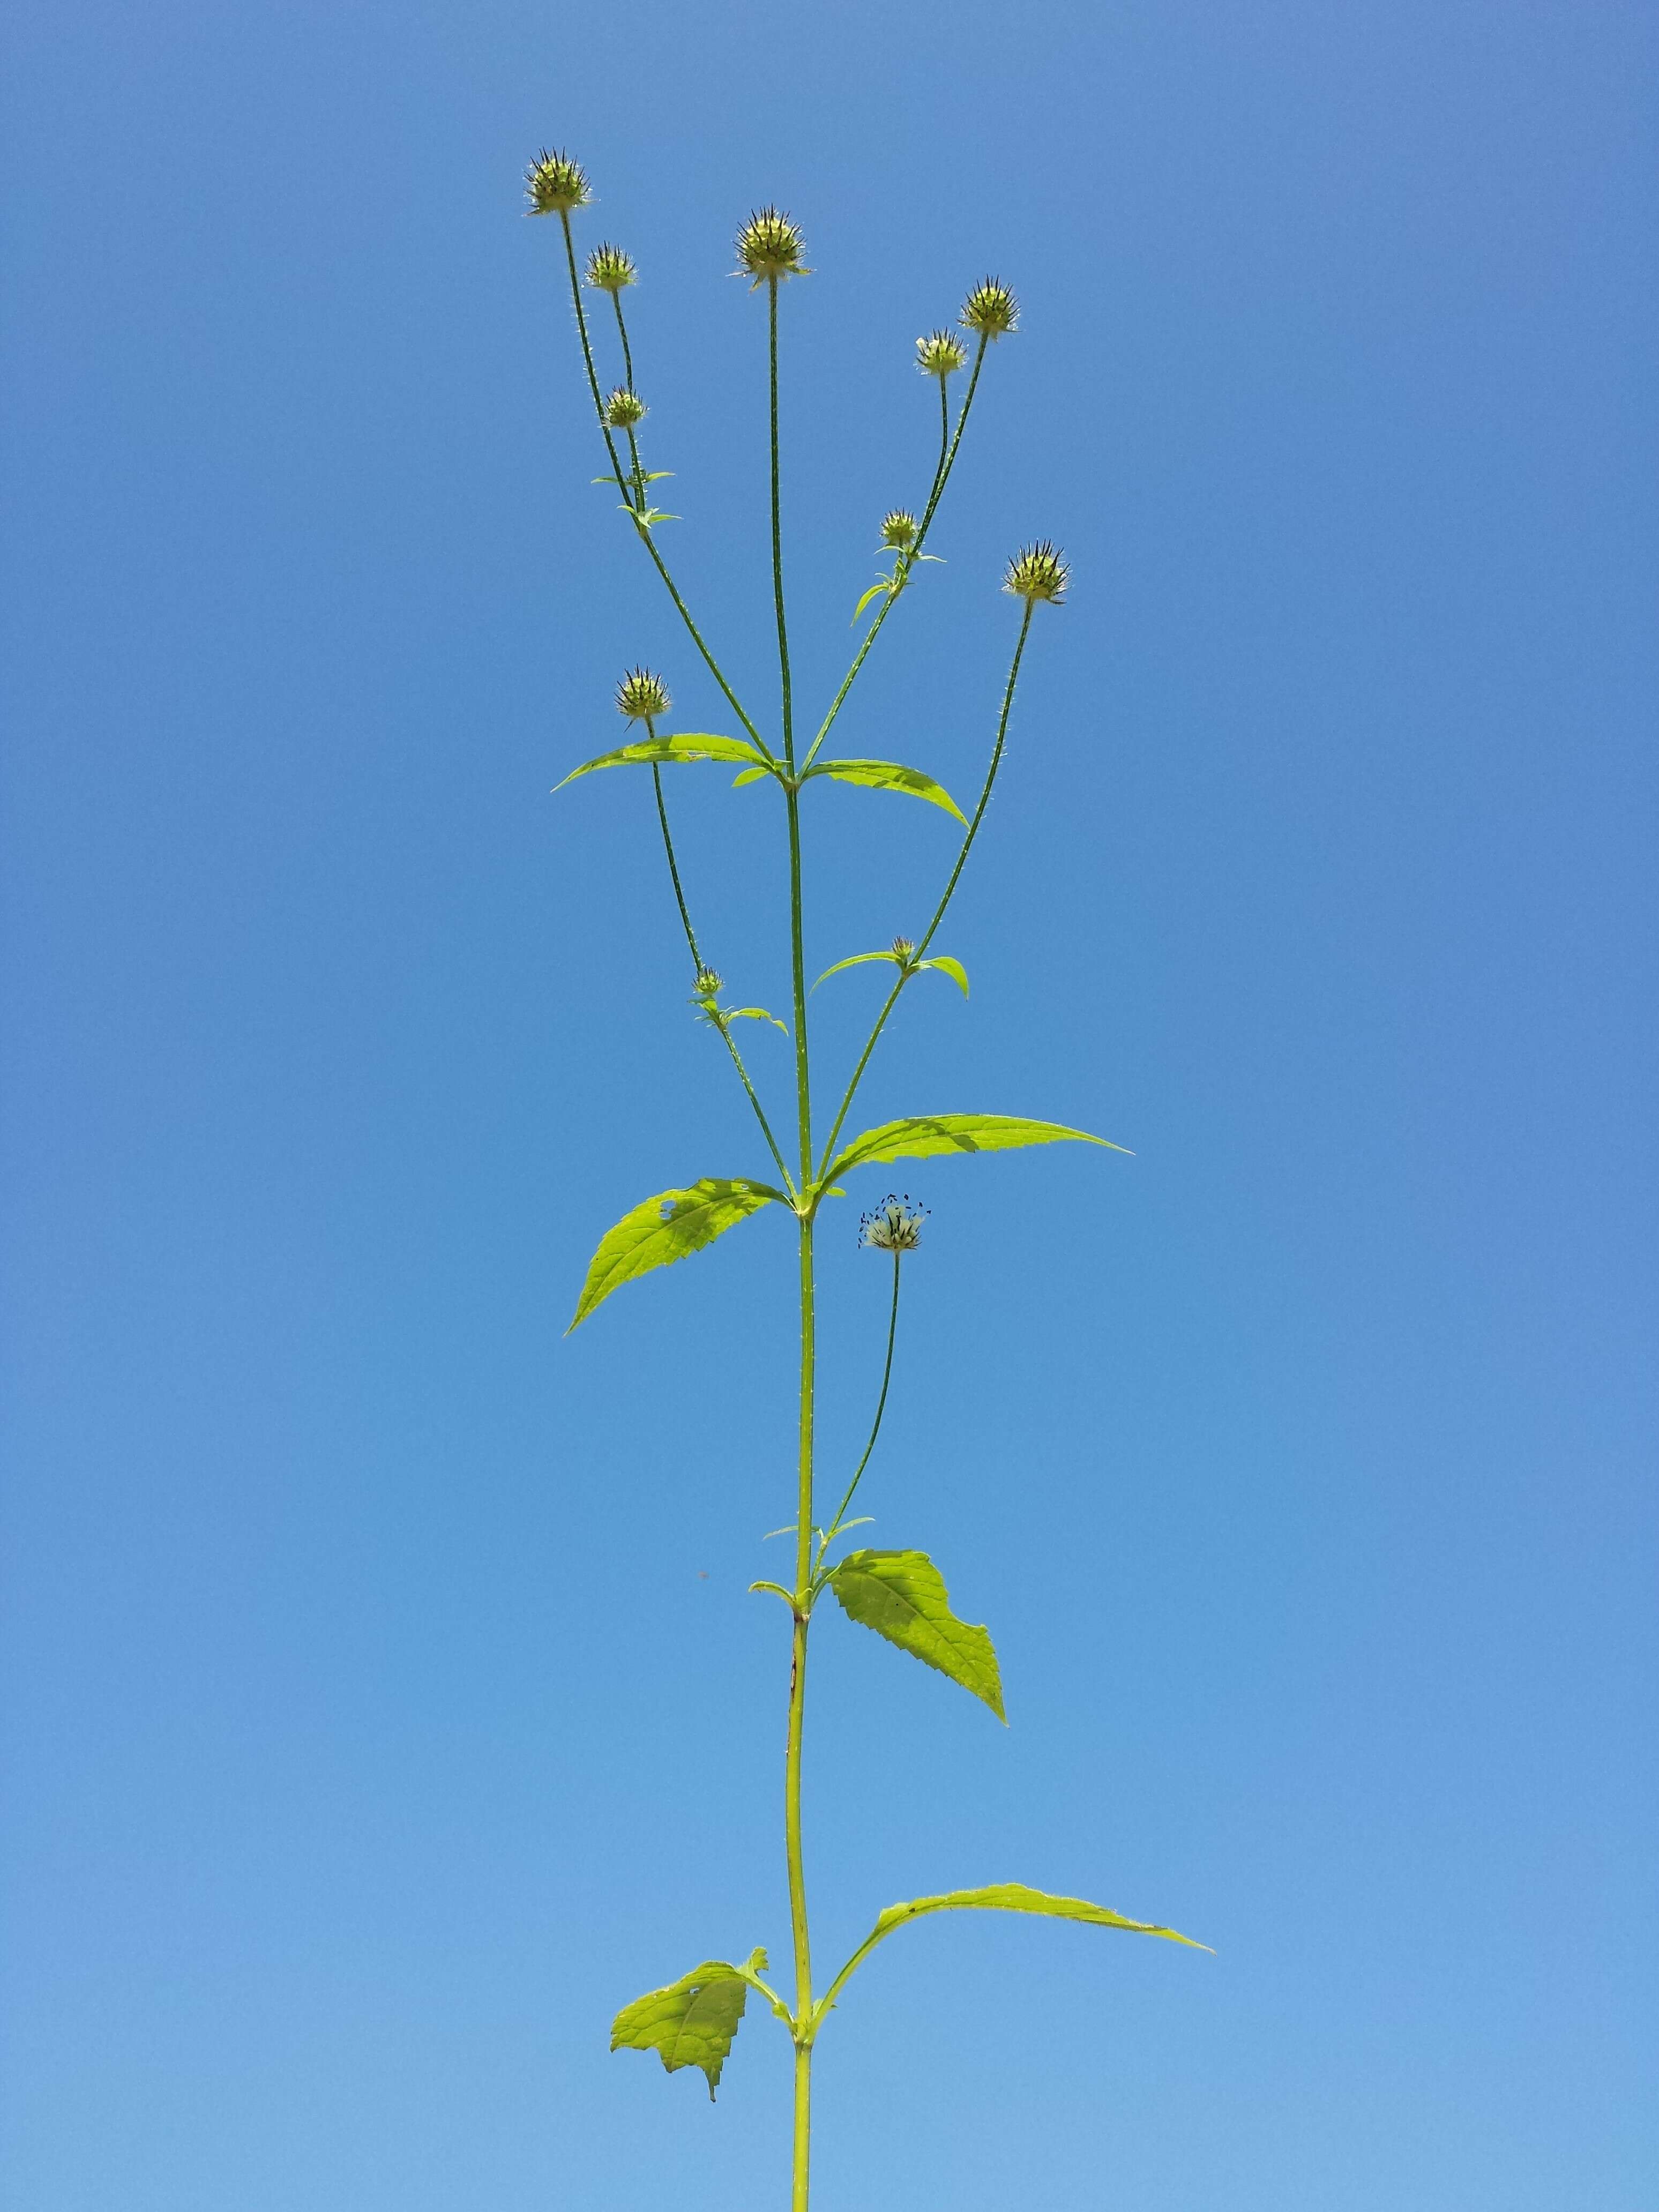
384, 1705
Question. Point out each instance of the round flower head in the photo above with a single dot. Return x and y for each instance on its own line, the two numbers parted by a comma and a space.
895, 1225
898, 529
609, 269
641, 695
1038, 572
904, 947
709, 984
554, 184
770, 247
624, 409
991, 309
941, 354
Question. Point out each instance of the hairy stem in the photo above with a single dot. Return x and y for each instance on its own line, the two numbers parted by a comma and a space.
941, 478
777, 534
834, 1529
797, 1921
926, 939
622, 482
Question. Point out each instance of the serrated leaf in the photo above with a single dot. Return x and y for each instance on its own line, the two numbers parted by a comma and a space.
923, 1136
953, 968
689, 745
666, 1228
1016, 1897
690, 2023
888, 775
901, 1596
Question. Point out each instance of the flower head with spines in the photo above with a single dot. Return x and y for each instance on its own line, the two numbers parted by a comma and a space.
610, 270
554, 185
1038, 572
624, 409
991, 309
895, 1225
769, 246
941, 354
898, 529
642, 695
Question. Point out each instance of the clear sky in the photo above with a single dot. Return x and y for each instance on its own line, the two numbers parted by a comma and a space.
383, 1704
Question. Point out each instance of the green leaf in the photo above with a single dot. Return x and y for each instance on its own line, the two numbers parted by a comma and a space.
1015, 1897
752, 1014
888, 775
647, 518
922, 1136
901, 1596
691, 2022
857, 960
667, 1228
692, 745
953, 968
750, 775
874, 592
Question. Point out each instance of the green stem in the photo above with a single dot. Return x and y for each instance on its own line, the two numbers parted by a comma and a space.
627, 371
803, 1949
941, 478
834, 1529
905, 972
759, 1111
777, 534
644, 535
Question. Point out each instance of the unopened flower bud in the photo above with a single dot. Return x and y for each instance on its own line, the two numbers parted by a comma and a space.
554, 184
709, 984
941, 354
770, 247
1038, 572
623, 409
991, 309
902, 948
898, 529
609, 269
641, 695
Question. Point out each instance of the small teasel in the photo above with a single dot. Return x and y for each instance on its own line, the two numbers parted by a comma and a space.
610, 270
801, 1165
554, 185
991, 309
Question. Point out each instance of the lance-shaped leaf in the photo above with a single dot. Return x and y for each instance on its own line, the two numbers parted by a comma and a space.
942, 961
692, 2021
922, 1136
888, 775
692, 745
901, 1596
667, 1228
1000, 1897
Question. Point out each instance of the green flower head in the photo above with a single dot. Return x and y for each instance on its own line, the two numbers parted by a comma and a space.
898, 529
902, 949
991, 309
770, 247
609, 269
709, 986
1038, 572
941, 354
623, 409
641, 695
554, 184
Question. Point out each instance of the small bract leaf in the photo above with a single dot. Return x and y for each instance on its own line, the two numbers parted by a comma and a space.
666, 1228
858, 960
922, 1136
750, 775
874, 592
753, 1014
901, 1596
691, 2022
953, 968
692, 745
888, 775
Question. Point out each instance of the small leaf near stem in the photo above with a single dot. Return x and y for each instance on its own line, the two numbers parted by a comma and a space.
901, 1596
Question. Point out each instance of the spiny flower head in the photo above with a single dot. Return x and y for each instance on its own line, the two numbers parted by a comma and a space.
991, 309
623, 409
641, 695
895, 1225
770, 247
709, 986
1038, 572
609, 269
554, 184
902, 948
941, 353
898, 529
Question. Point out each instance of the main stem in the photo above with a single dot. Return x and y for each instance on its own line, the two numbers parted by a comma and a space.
802, 2152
